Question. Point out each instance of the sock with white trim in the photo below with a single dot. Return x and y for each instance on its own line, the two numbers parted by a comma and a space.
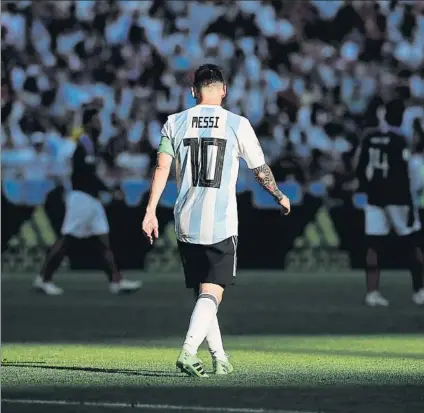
204, 312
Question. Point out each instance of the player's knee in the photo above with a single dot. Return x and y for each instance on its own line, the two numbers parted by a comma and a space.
60, 246
103, 241
213, 289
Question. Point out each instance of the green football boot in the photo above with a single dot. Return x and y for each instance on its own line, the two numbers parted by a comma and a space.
222, 367
191, 365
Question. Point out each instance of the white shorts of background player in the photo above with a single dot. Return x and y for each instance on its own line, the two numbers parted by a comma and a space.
380, 220
85, 216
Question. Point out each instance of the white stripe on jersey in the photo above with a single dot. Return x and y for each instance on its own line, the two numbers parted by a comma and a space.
208, 141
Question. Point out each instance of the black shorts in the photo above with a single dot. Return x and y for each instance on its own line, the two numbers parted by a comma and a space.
215, 263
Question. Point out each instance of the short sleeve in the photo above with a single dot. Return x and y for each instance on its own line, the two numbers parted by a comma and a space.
249, 146
165, 145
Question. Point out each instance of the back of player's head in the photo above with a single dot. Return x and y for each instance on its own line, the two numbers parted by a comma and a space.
394, 112
207, 75
209, 85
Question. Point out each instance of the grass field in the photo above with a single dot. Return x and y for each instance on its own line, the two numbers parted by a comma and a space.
299, 342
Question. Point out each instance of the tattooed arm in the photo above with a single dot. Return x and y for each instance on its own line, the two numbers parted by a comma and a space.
265, 177
251, 151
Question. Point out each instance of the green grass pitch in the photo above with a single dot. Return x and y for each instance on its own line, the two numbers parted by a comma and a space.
299, 343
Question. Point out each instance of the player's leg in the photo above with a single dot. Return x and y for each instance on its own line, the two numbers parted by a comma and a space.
213, 336
73, 224
417, 271
406, 223
373, 297
52, 261
117, 284
213, 268
225, 268
195, 268
376, 227
220, 362
99, 227
203, 314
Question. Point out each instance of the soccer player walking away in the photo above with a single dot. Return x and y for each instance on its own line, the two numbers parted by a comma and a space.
383, 175
206, 142
85, 216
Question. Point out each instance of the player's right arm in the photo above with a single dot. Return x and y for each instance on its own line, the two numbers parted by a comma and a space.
160, 177
251, 151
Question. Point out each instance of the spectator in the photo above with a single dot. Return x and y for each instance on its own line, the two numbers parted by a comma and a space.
308, 75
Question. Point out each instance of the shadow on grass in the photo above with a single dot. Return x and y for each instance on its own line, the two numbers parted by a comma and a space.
127, 372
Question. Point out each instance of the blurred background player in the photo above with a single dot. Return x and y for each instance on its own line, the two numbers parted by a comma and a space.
206, 142
383, 172
85, 216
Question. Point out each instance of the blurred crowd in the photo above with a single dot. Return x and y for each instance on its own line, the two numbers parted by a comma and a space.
309, 76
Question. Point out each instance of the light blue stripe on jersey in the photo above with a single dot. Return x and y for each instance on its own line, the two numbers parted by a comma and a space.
197, 208
222, 199
181, 126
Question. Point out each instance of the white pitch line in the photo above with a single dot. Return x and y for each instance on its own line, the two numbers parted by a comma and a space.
196, 409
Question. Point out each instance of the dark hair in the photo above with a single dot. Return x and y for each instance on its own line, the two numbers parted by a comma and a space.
394, 112
206, 75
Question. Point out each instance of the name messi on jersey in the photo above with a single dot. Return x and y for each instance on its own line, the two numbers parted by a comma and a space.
205, 122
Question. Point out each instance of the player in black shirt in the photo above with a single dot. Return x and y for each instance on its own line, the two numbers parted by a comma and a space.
85, 216
383, 175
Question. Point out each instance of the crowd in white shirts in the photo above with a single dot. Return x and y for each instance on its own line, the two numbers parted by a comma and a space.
308, 75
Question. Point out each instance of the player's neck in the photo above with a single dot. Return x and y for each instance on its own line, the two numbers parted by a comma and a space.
210, 102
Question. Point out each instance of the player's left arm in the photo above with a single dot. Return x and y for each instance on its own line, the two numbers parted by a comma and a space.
159, 180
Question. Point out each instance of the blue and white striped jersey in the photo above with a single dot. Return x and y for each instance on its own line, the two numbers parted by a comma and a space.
207, 142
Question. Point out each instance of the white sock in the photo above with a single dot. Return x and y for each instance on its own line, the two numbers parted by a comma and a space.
201, 318
214, 340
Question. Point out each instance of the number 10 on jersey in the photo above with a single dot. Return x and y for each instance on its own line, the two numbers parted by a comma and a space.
207, 158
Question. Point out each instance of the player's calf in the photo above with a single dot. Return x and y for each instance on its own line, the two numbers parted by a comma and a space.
220, 363
417, 272
416, 266
43, 282
54, 258
372, 270
204, 313
201, 318
117, 284
373, 297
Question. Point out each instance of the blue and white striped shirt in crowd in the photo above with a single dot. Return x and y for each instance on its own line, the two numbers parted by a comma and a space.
207, 142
